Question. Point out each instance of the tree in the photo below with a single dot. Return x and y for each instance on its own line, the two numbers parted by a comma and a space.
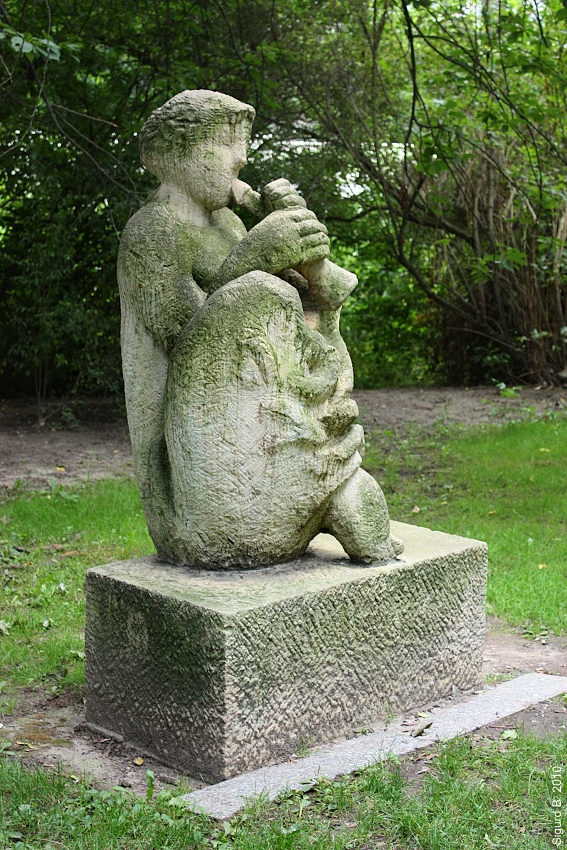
452, 120
431, 137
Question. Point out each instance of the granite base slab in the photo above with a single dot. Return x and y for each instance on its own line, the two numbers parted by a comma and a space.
222, 673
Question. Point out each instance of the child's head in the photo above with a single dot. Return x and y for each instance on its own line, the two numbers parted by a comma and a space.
175, 132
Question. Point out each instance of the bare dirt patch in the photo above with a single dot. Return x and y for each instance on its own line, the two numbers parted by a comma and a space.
32, 454
98, 444
426, 407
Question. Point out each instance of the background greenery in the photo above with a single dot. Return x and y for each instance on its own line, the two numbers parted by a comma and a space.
429, 136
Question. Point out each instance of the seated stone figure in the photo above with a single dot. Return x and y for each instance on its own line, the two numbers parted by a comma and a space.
237, 380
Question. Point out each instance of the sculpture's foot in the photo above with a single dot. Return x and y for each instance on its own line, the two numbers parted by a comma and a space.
357, 516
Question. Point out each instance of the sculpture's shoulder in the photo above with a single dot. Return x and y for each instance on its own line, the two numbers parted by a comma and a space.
155, 245
153, 228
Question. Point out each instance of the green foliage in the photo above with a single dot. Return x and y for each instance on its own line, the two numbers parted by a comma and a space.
387, 323
430, 137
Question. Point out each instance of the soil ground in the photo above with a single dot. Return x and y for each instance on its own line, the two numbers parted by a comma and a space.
91, 442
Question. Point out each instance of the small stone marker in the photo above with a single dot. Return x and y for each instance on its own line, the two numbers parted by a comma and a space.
225, 799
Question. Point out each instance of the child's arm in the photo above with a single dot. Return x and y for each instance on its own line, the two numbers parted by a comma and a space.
284, 239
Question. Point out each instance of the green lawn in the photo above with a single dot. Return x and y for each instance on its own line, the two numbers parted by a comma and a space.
477, 795
47, 542
505, 485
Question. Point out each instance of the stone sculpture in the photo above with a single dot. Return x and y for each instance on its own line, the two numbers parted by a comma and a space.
237, 379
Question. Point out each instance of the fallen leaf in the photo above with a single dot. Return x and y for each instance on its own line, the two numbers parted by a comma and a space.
491, 512
508, 735
139, 761
421, 728
542, 566
4, 628
422, 714
416, 510
545, 450
60, 469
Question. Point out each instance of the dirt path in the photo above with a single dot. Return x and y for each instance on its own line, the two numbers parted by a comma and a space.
98, 446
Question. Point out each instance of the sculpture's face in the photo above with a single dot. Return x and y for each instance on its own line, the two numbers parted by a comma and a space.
214, 165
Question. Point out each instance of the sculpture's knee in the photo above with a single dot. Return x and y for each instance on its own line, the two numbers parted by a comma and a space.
357, 516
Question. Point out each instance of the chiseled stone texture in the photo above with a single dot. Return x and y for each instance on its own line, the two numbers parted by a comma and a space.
220, 673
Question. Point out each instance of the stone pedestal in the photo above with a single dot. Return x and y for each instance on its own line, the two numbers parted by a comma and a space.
221, 673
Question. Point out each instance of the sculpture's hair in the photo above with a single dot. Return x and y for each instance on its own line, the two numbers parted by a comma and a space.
175, 128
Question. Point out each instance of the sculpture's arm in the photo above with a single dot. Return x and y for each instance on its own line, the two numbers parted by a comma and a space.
160, 289
284, 239
329, 284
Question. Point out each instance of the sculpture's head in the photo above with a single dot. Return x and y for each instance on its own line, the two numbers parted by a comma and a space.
197, 141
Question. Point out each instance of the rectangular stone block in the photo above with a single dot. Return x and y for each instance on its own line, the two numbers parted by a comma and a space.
221, 673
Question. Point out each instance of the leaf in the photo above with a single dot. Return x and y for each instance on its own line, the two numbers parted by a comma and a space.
20, 45
5, 627
416, 510
421, 728
139, 761
509, 735
52, 51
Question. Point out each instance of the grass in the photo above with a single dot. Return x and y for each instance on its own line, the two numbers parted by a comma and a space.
477, 794
47, 541
503, 484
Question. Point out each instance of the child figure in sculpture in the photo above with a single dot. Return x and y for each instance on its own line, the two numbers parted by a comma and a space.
237, 380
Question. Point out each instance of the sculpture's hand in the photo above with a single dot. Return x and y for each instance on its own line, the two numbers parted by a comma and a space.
280, 195
284, 239
291, 237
